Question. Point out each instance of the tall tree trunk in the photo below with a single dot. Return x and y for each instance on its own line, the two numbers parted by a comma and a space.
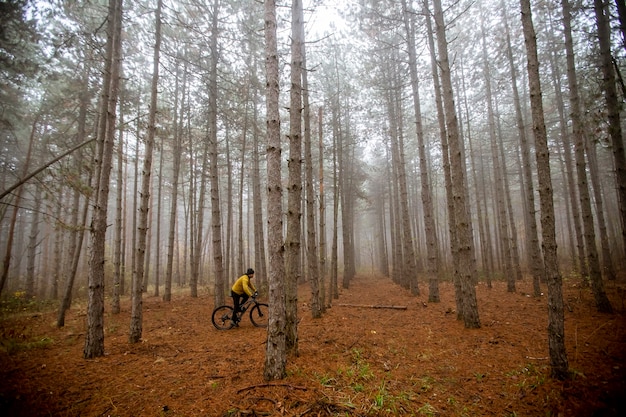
16, 204
432, 241
408, 248
79, 224
602, 302
334, 261
498, 175
556, 331
33, 244
515, 258
136, 313
171, 236
607, 261
94, 337
322, 211
259, 235
581, 260
216, 213
119, 219
312, 254
466, 264
612, 108
276, 351
532, 240
441, 119
292, 240
621, 11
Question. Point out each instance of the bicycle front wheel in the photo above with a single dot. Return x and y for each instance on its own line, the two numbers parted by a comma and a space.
259, 315
222, 317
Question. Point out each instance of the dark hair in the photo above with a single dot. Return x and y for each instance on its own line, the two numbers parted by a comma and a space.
250, 271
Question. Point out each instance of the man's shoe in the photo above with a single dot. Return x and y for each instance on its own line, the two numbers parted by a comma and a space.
235, 323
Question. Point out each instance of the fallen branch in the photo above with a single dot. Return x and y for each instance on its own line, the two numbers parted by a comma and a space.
372, 306
270, 385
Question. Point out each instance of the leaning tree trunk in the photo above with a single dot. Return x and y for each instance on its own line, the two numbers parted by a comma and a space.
556, 330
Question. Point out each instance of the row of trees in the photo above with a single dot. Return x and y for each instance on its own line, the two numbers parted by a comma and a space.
137, 140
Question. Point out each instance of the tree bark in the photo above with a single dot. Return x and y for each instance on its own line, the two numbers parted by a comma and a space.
432, 241
136, 314
595, 274
498, 175
276, 351
612, 108
94, 337
466, 265
294, 198
556, 331
216, 213
534, 259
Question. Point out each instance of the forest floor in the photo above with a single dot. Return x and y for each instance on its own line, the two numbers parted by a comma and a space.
354, 361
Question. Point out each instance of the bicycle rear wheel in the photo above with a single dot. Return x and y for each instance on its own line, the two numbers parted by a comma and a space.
222, 317
259, 315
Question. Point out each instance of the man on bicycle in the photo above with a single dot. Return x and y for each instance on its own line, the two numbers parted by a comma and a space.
241, 291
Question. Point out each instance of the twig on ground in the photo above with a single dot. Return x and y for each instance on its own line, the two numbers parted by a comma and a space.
372, 306
271, 385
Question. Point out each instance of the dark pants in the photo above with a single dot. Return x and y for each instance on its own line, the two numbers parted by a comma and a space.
238, 300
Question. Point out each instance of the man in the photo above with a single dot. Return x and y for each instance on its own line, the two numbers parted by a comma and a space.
241, 291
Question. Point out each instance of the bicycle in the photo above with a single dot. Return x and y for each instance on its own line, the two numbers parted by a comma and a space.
222, 317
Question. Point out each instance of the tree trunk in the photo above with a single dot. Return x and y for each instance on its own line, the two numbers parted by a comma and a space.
77, 236
33, 244
16, 205
119, 219
602, 302
312, 253
432, 241
334, 261
466, 265
259, 235
276, 352
534, 259
94, 337
216, 213
322, 212
292, 240
498, 175
441, 119
556, 331
176, 148
612, 108
136, 314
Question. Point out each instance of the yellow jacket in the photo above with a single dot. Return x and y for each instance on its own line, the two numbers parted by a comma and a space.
242, 285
